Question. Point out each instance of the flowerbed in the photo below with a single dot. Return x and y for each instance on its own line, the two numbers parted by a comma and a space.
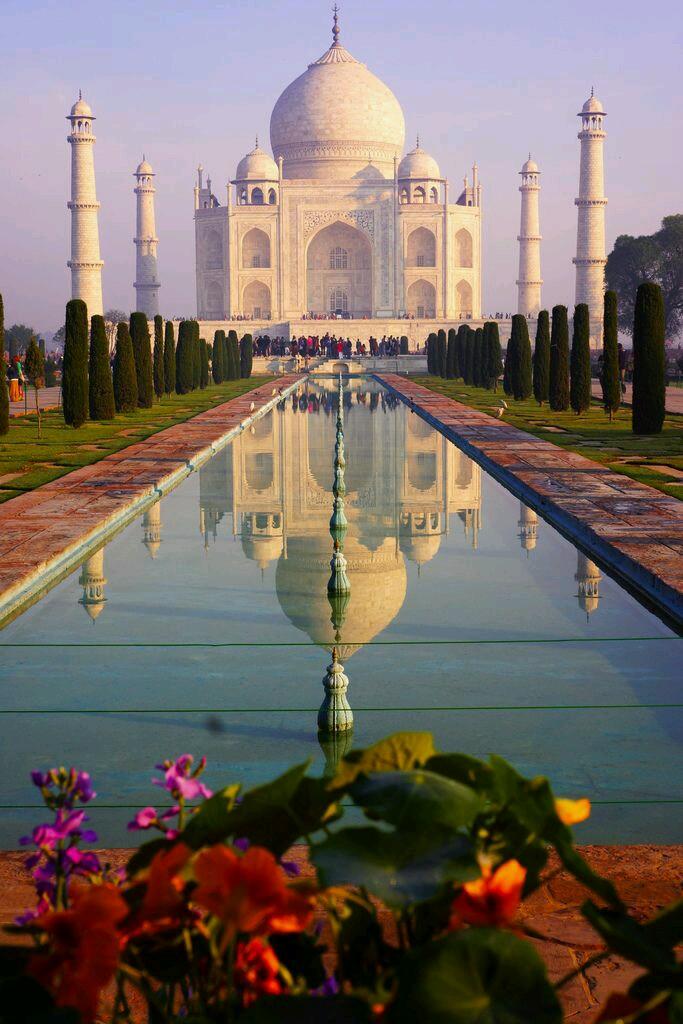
210, 922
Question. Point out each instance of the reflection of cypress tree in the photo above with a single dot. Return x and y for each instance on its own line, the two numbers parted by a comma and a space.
142, 353
246, 355
4, 394
580, 382
203, 364
169, 358
611, 384
217, 359
520, 365
125, 379
452, 355
442, 351
158, 357
542, 358
100, 387
477, 357
184, 359
469, 356
649, 388
461, 339
559, 360
75, 364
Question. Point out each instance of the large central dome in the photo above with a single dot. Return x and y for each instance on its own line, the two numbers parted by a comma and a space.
337, 120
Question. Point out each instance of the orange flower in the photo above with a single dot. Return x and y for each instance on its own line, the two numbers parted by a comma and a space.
492, 899
84, 948
248, 893
571, 812
257, 971
164, 894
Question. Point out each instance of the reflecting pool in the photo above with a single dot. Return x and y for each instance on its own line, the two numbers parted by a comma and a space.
206, 627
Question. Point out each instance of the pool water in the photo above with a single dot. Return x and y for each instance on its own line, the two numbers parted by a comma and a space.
205, 627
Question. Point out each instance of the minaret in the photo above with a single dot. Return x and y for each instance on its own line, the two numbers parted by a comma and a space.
529, 238
590, 238
147, 283
85, 263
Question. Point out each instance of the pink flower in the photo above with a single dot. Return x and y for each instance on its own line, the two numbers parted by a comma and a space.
143, 819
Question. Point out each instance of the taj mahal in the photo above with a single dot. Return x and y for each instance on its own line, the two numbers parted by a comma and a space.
340, 221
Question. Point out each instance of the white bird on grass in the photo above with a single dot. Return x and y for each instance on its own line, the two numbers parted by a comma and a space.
502, 406
252, 407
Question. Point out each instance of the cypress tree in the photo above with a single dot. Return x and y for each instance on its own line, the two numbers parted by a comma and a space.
203, 364
431, 361
461, 339
558, 393
4, 394
196, 356
142, 353
649, 385
484, 380
442, 353
520, 365
403, 347
611, 384
542, 358
233, 357
217, 358
169, 358
75, 364
226, 359
477, 360
34, 371
158, 357
451, 355
580, 363
469, 357
125, 378
100, 387
246, 356
184, 358
507, 367
493, 355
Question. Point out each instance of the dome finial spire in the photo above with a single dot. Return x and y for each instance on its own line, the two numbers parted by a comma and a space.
592, 90
80, 94
417, 141
335, 26
257, 140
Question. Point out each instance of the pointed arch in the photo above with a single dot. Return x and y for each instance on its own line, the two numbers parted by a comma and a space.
463, 248
421, 248
255, 249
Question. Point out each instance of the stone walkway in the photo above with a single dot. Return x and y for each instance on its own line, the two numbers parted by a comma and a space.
48, 398
635, 531
647, 878
45, 532
673, 400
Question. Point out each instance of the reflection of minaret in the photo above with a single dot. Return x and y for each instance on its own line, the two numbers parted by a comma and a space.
151, 525
214, 500
528, 526
588, 577
92, 580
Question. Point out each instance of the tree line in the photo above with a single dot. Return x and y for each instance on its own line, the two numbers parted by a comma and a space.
95, 387
556, 373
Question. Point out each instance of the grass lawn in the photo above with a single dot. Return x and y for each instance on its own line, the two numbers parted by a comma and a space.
591, 434
27, 462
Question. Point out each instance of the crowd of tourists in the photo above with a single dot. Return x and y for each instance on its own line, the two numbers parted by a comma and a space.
331, 346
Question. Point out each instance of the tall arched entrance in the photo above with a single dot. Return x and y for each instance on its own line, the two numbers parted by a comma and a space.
339, 272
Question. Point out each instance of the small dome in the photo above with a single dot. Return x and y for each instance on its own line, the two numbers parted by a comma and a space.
257, 166
144, 168
81, 108
530, 167
418, 164
592, 105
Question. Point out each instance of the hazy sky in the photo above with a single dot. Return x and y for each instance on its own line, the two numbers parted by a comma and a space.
193, 82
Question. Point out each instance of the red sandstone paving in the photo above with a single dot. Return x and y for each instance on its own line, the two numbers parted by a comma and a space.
636, 521
647, 878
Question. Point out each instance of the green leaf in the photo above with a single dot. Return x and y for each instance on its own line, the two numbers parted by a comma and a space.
208, 825
305, 1010
416, 799
462, 768
301, 954
477, 976
639, 943
363, 953
145, 854
398, 868
399, 752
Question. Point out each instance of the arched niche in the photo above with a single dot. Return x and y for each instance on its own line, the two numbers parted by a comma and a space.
339, 257
421, 248
256, 300
255, 249
463, 248
421, 299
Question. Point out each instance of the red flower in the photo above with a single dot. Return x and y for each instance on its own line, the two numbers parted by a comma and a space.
248, 893
257, 970
84, 948
619, 1006
492, 899
164, 894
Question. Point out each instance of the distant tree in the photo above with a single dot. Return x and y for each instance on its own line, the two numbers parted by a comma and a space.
142, 353
217, 357
649, 385
431, 354
184, 358
559, 360
246, 355
75, 364
50, 373
112, 319
657, 258
477, 358
34, 371
610, 380
4, 394
580, 361
100, 387
442, 353
125, 379
169, 358
203, 364
542, 358
18, 338
469, 357
451, 355
494, 358
520, 367
58, 338
403, 346
461, 338
158, 357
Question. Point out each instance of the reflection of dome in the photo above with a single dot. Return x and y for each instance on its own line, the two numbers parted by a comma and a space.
418, 164
421, 549
378, 589
335, 119
262, 550
257, 166
588, 577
